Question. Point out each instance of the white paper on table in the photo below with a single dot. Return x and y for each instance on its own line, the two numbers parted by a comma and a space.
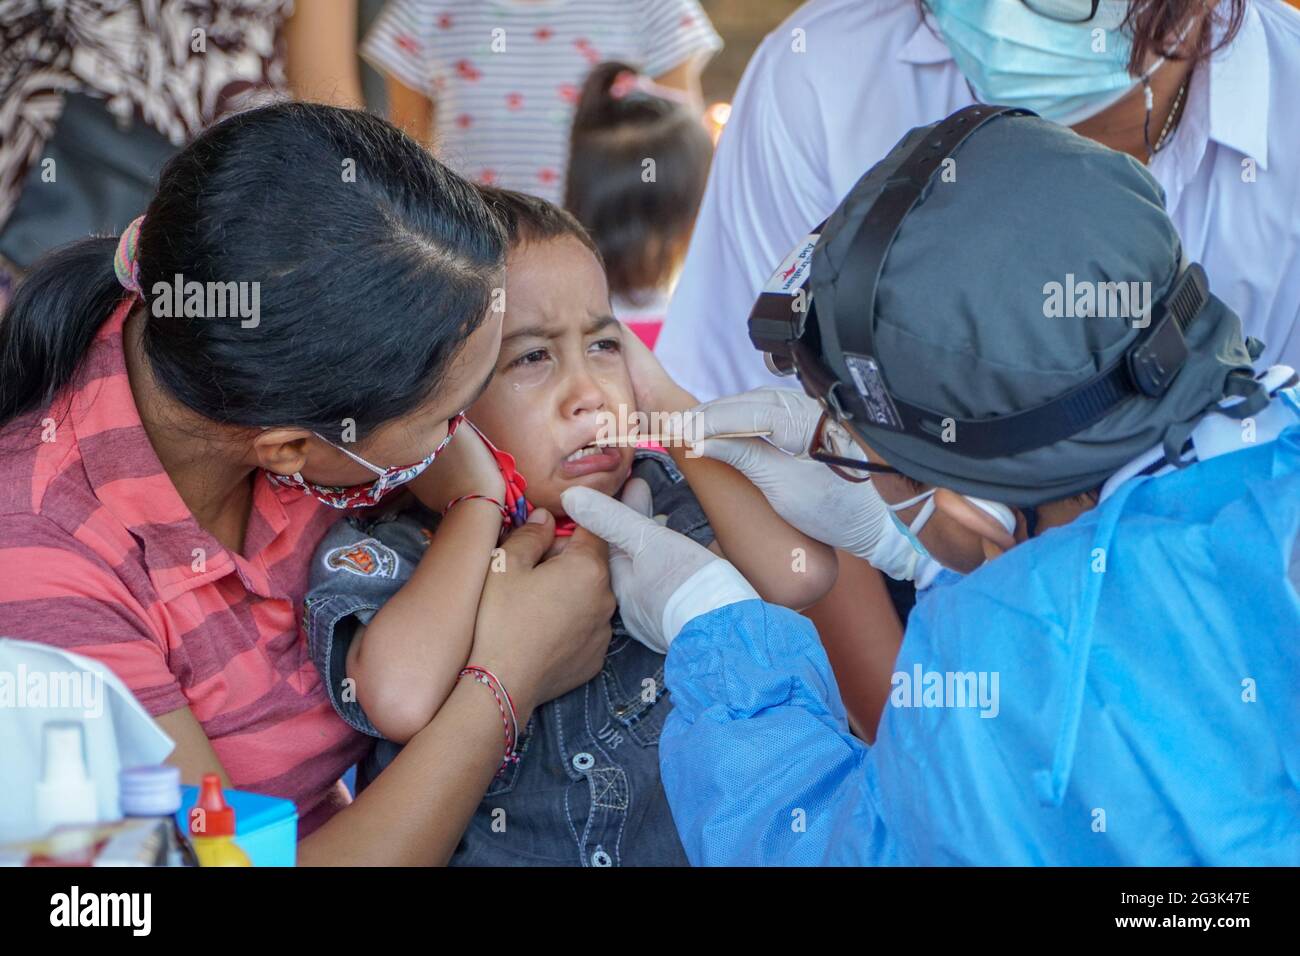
39, 683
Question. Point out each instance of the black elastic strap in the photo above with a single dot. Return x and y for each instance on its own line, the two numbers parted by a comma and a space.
1087, 403
1148, 366
875, 236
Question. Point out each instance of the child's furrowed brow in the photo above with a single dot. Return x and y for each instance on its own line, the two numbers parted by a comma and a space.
555, 330
532, 332
598, 323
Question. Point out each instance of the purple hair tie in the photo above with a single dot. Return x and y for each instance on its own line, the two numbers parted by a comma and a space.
124, 262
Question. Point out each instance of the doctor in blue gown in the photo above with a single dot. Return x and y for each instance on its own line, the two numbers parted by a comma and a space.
1068, 446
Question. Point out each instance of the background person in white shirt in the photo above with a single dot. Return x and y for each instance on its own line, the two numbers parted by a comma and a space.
837, 84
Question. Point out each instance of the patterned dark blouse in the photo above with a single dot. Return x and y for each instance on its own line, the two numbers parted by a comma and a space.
177, 65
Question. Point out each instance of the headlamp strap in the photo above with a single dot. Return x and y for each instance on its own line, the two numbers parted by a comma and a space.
1148, 367
875, 237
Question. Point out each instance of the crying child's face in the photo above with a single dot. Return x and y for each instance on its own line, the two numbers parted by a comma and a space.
560, 374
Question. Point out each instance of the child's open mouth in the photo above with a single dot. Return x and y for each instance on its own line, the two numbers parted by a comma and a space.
589, 460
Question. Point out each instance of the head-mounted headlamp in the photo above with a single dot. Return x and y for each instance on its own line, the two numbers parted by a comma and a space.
834, 355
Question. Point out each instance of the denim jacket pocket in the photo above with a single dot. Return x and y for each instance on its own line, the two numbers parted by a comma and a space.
633, 685
504, 782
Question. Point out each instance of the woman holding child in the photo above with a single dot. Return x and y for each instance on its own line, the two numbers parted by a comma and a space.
135, 527
187, 493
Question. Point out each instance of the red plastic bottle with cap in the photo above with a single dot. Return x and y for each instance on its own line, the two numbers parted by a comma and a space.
212, 827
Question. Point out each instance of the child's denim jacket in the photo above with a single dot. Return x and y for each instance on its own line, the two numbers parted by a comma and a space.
586, 790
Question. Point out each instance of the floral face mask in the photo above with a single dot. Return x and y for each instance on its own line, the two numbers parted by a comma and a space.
369, 493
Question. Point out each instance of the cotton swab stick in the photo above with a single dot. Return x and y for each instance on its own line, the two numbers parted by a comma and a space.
634, 439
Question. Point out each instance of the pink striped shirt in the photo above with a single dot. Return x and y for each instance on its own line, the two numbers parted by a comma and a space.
99, 555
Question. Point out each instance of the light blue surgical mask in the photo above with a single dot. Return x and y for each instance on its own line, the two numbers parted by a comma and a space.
912, 531
1013, 56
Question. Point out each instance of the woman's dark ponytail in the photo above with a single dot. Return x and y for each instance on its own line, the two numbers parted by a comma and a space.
51, 320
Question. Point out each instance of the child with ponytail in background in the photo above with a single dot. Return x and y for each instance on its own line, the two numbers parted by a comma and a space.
492, 86
638, 161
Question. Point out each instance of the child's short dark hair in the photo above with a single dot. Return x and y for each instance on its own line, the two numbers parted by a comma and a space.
641, 226
526, 219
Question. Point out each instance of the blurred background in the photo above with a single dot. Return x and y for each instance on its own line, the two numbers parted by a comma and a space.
94, 96
740, 23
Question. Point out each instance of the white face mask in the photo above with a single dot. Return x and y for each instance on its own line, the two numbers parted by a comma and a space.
1000, 513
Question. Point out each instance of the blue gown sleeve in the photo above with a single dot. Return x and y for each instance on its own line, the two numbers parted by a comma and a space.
757, 759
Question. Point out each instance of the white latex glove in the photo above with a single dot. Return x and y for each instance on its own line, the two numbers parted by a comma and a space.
661, 579
791, 417
805, 493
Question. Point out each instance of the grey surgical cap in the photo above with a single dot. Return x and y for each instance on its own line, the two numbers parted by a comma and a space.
961, 324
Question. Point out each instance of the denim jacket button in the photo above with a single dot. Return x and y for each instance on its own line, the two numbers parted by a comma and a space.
583, 762
601, 858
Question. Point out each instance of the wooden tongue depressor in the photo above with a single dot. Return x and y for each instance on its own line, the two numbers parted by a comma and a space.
670, 439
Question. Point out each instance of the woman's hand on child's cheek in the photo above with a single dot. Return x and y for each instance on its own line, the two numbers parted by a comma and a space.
652, 387
465, 467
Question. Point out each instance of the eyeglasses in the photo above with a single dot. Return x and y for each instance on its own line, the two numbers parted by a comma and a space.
1068, 11
829, 439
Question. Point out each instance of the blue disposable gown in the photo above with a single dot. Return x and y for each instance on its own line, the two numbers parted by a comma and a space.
1148, 705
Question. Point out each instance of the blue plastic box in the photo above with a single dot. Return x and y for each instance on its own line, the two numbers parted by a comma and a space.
266, 828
